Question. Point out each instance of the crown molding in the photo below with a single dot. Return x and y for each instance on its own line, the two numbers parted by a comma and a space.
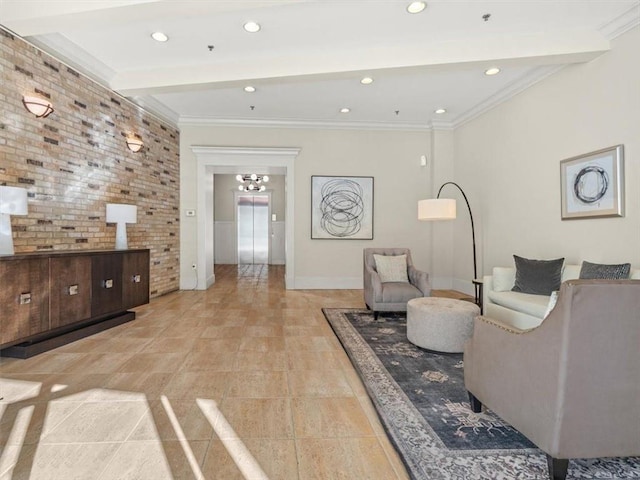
621, 24
156, 108
309, 124
514, 88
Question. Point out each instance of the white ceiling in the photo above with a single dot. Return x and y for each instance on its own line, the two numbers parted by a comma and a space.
307, 61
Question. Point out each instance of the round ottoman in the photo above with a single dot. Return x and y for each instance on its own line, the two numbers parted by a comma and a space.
440, 324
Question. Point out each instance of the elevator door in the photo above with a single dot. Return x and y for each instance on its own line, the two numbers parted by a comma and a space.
253, 229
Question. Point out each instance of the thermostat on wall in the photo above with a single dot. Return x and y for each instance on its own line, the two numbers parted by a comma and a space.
190, 213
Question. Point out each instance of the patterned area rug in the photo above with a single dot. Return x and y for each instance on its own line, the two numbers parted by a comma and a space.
423, 405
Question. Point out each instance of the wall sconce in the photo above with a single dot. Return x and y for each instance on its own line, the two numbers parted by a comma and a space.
13, 201
40, 107
121, 214
134, 143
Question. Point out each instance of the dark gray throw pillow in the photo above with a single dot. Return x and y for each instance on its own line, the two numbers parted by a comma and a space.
538, 277
590, 271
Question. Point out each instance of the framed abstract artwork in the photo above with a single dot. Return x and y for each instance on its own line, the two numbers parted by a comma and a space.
592, 184
341, 208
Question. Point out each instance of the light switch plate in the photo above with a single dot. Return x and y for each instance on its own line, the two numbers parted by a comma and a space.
190, 213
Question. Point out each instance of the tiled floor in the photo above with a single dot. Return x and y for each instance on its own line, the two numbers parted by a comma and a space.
245, 380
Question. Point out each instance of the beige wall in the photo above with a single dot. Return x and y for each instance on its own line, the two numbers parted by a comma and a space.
391, 157
508, 161
75, 161
225, 186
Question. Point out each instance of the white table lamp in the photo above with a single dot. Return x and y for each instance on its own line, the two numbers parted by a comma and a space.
13, 201
121, 214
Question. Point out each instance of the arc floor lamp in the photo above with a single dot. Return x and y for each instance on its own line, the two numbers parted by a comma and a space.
445, 209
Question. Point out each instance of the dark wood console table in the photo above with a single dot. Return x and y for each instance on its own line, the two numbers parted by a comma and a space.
54, 298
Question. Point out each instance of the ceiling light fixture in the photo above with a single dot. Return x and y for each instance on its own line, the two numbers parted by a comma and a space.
252, 27
492, 71
345, 110
416, 7
440, 111
159, 37
252, 183
366, 81
249, 89
40, 107
134, 143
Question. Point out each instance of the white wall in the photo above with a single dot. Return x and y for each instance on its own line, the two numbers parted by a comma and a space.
508, 161
391, 157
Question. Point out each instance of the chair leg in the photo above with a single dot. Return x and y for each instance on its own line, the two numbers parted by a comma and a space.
557, 467
476, 405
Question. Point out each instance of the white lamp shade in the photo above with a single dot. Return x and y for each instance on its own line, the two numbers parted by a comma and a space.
13, 200
121, 213
437, 209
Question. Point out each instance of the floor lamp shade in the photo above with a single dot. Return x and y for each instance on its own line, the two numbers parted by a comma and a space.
445, 209
121, 214
437, 209
13, 201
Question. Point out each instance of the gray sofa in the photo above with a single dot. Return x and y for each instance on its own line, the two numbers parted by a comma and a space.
392, 296
572, 384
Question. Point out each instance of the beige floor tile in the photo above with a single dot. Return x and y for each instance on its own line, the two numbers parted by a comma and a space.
218, 332
305, 331
258, 417
192, 385
157, 424
276, 458
303, 360
213, 361
319, 383
262, 344
330, 417
151, 384
138, 461
178, 330
313, 344
153, 362
169, 345
51, 362
98, 422
75, 461
263, 331
179, 458
208, 345
345, 458
260, 384
99, 363
254, 361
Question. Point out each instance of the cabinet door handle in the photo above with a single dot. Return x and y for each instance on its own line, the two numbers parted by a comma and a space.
136, 278
108, 283
72, 290
25, 298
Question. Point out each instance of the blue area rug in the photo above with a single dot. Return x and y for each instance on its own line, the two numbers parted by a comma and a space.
421, 400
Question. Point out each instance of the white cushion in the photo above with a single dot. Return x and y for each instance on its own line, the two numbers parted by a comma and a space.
552, 303
391, 268
503, 278
534, 305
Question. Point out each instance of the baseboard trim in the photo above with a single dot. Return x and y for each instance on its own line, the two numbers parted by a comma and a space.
328, 283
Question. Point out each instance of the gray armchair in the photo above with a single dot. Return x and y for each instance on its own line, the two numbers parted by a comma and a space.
572, 384
392, 296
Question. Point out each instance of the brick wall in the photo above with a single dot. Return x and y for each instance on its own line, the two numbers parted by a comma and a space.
76, 160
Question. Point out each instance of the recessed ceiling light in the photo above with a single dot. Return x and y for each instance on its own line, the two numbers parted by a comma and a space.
252, 27
492, 71
159, 37
416, 7
440, 111
366, 81
249, 89
345, 110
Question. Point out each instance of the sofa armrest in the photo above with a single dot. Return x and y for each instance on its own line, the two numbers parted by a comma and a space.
487, 286
420, 280
372, 286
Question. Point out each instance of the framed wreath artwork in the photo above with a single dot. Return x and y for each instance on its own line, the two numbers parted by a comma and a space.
592, 184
